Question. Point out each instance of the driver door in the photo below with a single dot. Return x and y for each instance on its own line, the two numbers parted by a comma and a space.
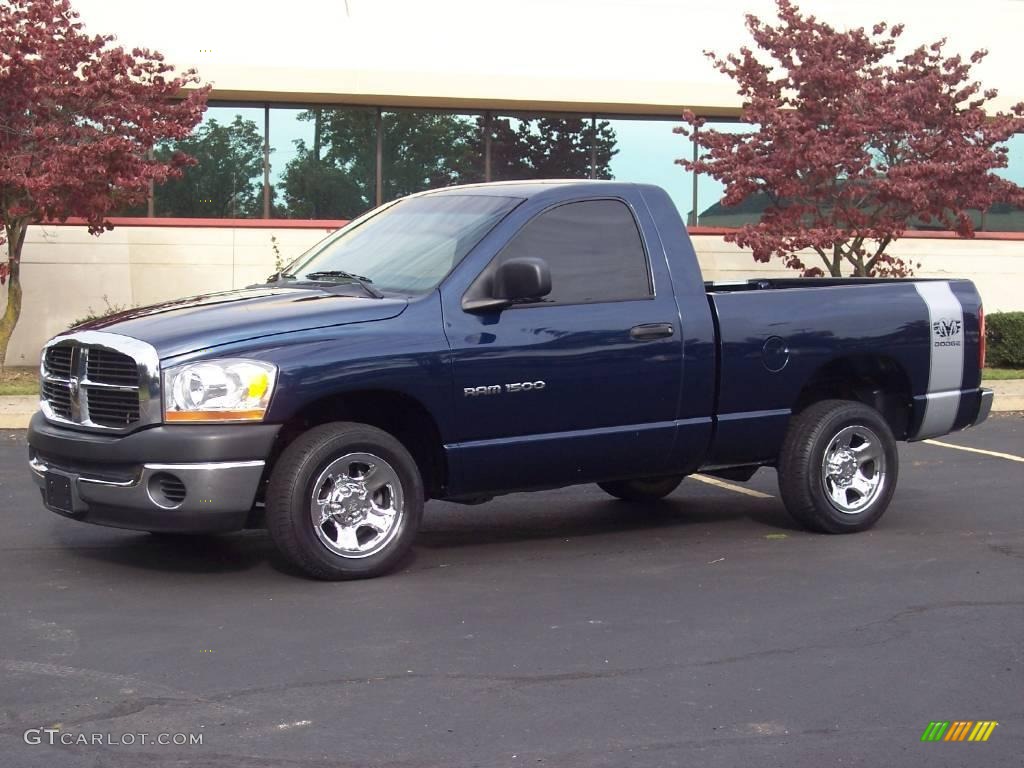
581, 385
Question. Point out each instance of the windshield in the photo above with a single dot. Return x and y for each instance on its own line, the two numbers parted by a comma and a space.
408, 247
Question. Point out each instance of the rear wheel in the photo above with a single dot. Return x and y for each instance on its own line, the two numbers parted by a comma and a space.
838, 467
642, 489
344, 502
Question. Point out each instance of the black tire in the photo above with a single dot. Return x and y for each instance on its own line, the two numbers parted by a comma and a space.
642, 489
809, 489
289, 501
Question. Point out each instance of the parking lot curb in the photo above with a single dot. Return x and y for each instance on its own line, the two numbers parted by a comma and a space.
1009, 394
16, 410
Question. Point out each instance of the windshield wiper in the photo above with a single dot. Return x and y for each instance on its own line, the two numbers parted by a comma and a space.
364, 282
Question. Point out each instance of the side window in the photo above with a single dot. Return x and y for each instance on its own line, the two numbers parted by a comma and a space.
594, 251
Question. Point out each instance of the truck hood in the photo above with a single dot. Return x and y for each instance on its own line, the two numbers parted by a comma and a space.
185, 325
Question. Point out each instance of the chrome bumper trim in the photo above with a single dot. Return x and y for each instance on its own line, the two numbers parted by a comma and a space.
228, 486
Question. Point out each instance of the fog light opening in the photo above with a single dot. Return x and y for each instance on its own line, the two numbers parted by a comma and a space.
166, 490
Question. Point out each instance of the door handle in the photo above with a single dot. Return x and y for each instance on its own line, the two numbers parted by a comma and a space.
650, 331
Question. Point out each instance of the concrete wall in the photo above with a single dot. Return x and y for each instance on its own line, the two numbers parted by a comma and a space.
66, 272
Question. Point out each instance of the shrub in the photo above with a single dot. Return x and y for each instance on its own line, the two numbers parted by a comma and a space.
93, 314
1004, 335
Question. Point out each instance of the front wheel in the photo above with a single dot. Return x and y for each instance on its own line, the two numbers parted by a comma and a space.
838, 467
344, 502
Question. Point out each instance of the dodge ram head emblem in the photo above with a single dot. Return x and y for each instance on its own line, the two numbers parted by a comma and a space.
73, 385
947, 331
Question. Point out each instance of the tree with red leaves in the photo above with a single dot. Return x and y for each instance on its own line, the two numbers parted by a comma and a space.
78, 116
853, 143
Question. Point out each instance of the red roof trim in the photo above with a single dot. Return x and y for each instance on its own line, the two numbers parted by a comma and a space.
143, 221
914, 234
331, 224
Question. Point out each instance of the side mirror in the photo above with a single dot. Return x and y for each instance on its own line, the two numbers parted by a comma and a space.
521, 279
515, 280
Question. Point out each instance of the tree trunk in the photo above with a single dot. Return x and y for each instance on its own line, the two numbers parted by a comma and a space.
15, 240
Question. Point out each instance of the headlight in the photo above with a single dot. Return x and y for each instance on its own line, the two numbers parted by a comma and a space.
218, 390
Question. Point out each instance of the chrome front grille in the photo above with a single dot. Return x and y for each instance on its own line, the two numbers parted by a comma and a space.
58, 361
112, 408
58, 395
106, 367
100, 381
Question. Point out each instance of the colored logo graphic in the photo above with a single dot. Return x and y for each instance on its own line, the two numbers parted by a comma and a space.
959, 730
946, 327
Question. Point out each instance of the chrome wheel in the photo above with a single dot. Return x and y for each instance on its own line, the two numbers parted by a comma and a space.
357, 505
853, 469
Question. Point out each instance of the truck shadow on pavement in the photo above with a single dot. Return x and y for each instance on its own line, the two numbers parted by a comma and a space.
448, 526
521, 518
215, 553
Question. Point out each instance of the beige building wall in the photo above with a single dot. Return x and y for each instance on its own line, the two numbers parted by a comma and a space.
643, 56
66, 272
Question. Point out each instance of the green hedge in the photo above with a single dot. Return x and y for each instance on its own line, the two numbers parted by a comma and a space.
1004, 337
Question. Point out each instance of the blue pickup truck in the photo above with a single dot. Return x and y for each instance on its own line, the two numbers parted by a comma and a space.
474, 341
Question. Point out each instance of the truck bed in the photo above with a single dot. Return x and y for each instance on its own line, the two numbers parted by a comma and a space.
778, 338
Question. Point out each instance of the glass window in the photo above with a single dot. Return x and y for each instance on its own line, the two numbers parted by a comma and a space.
226, 181
710, 191
550, 147
428, 150
593, 249
407, 247
1014, 170
323, 161
1003, 217
645, 151
509, 155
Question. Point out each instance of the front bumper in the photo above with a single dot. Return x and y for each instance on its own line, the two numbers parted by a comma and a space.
139, 481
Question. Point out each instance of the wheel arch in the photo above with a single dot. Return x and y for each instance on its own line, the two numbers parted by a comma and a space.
876, 380
401, 415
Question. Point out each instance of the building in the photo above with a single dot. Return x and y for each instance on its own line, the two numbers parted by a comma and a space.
323, 108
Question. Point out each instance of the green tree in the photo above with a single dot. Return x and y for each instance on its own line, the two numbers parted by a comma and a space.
334, 175
425, 150
508, 156
560, 148
550, 148
227, 178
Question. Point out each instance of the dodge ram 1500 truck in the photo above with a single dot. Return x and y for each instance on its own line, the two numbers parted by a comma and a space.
479, 340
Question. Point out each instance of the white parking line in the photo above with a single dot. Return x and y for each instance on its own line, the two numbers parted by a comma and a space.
731, 487
997, 454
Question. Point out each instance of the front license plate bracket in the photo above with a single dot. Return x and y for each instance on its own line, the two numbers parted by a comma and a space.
59, 493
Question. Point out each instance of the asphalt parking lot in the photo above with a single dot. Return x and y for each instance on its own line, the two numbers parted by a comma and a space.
558, 629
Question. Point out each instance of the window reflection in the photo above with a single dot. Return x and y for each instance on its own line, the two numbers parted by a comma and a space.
227, 179
646, 151
426, 150
551, 147
710, 191
323, 161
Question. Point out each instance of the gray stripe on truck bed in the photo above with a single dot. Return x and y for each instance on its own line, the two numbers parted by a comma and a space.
946, 358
